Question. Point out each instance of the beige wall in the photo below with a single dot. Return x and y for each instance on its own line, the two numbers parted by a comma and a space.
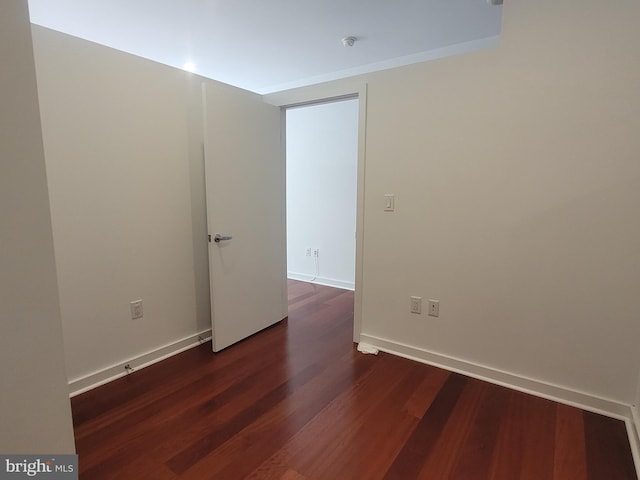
123, 144
34, 405
516, 174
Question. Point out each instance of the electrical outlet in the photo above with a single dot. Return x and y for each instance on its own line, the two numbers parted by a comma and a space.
307, 251
316, 252
434, 308
416, 305
136, 309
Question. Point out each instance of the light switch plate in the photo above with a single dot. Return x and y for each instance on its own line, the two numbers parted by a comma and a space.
389, 202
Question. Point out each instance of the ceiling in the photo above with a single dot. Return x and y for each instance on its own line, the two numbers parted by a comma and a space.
272, 45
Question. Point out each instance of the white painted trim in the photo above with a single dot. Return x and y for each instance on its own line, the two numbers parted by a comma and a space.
448, 51
106, 375
314, 94
324, 93
329, 282
362, 146
283, 209
557, 393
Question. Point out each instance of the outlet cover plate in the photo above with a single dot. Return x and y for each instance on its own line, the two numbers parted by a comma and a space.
416, 305
434, 308
136, 309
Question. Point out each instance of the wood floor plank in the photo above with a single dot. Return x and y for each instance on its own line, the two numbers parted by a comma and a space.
332, 434
298, 402
350, 451
442, 459
474, 460
241, 455
292, 475
608, 450
526, 441
539, 438
426, 434
508, 452
570, 457
199, 449
421, 399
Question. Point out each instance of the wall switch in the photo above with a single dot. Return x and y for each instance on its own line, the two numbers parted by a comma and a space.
416, 305
136, 309
389, 202
434, 308
307, 251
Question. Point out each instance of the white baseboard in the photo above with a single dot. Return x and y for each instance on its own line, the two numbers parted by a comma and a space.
610, 408
329, 282
106, 375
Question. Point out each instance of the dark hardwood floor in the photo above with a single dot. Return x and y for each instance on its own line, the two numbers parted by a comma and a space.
297, 401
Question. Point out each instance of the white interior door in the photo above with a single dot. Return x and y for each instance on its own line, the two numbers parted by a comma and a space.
244, 165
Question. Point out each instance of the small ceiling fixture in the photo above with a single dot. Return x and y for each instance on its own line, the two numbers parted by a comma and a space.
348, 41
494, 2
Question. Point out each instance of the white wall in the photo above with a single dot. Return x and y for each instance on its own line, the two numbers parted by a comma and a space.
36, 414
322, 155
516, 176
516, 172
123, 144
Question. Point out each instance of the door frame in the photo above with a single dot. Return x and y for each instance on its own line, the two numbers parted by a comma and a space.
323, 93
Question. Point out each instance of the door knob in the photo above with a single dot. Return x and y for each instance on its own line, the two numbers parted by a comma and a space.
221, 238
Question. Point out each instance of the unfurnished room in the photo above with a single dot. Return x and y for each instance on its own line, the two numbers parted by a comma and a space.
320, 240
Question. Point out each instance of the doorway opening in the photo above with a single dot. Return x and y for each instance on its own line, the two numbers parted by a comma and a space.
324, 95
321, 192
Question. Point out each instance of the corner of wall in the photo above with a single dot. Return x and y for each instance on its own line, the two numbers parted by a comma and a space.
36, 412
